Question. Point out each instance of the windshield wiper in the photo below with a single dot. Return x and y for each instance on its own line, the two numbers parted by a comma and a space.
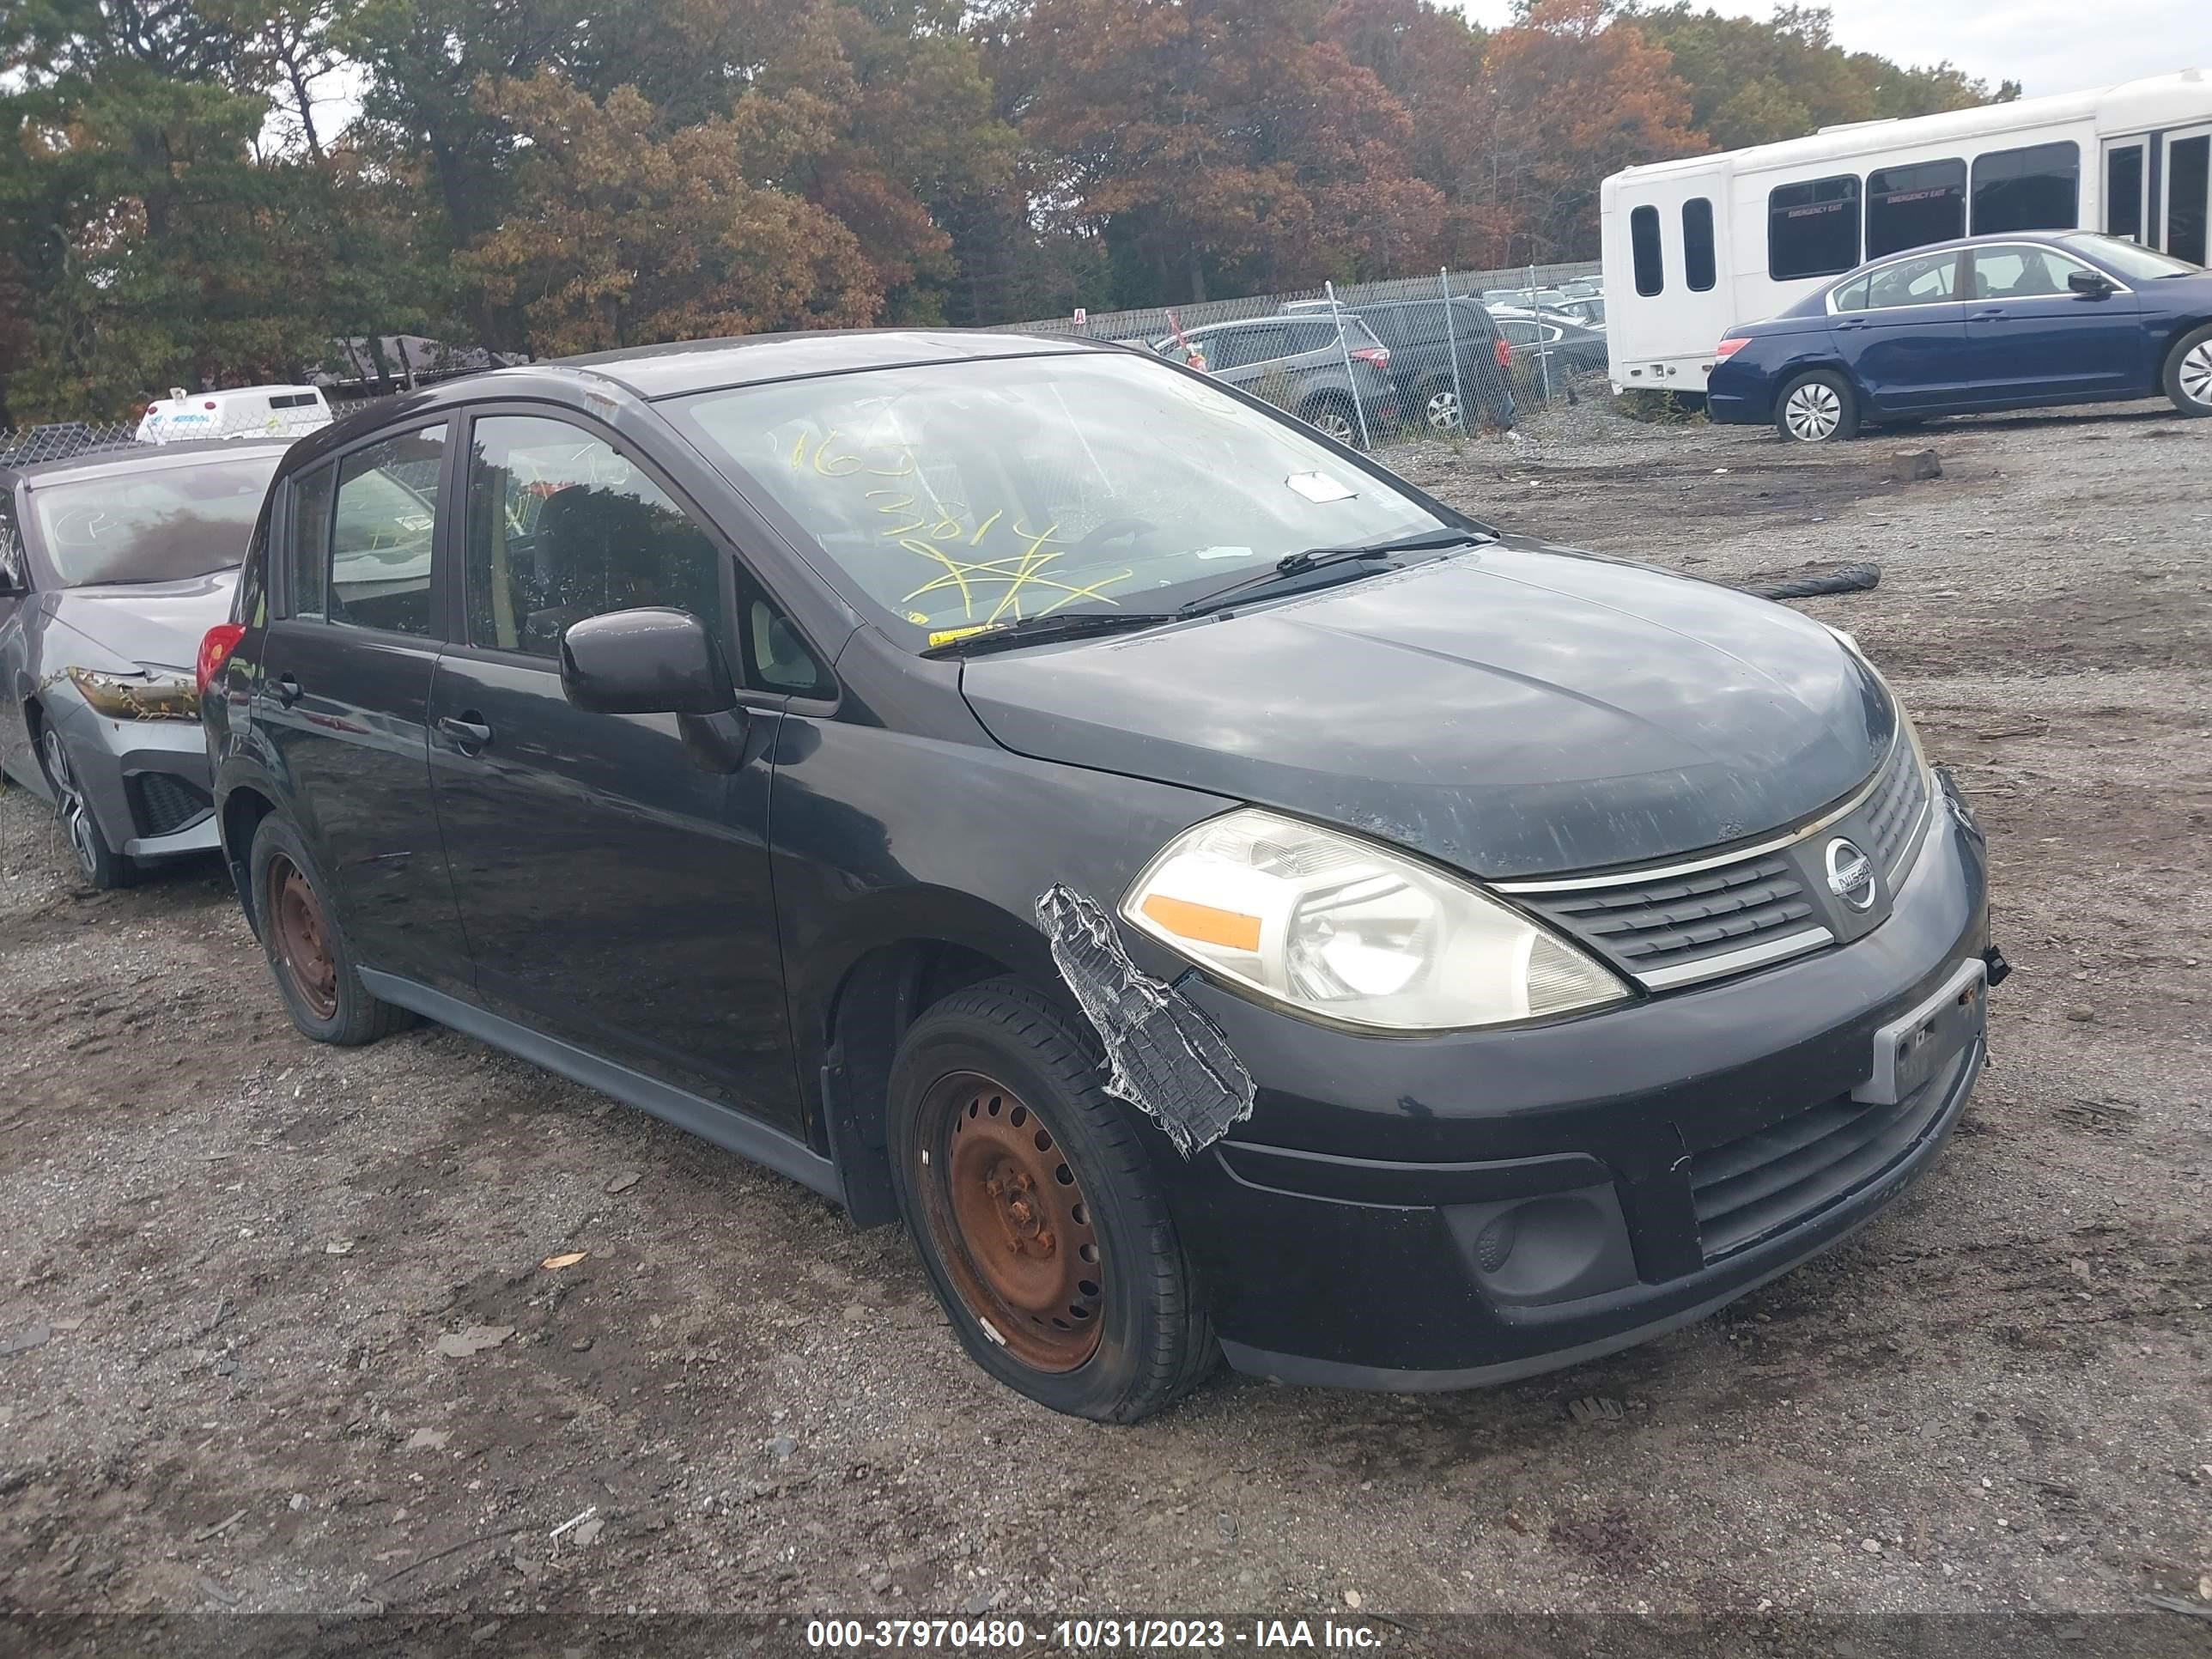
1291, 567
1057, 625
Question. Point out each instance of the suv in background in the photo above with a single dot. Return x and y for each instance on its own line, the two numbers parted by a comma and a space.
1537, 336
1423, 338
1296, 363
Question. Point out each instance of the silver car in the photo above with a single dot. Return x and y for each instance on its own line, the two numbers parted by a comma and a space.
112, 566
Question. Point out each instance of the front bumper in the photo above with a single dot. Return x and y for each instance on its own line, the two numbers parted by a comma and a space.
1444, 1212
147, 780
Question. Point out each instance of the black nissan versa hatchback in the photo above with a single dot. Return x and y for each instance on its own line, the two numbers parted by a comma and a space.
1224, 902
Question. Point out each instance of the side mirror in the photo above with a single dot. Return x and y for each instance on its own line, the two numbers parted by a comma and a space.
2089, 285
648, 661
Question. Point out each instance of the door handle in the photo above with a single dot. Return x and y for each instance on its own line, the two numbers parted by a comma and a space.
1991, 310
1852, 322
469, 733
288, 689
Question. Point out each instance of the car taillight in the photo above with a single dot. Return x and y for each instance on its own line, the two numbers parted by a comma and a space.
1728, 347
215, 646
1378, 356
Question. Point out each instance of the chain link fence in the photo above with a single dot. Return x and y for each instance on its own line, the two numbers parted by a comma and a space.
1456, 354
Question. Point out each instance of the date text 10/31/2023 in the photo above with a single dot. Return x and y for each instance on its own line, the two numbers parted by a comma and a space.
1093, 1635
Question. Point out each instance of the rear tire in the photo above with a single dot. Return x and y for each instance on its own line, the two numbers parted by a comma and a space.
313, 965
1818, 408
1036, 1211
2188, 376
101, 865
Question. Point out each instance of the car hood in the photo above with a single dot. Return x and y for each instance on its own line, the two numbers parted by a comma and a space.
142, 622
1516, 711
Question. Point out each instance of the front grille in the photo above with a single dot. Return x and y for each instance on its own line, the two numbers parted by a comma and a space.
164, 803
1749, 1189
1896, 808
1658, 925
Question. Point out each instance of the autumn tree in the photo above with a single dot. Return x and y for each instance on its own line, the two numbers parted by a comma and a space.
1216, 145
1573, 94
625, 233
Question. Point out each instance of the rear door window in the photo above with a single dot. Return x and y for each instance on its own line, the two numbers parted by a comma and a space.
1644, 248
1699, 268
1929, 280
383, 531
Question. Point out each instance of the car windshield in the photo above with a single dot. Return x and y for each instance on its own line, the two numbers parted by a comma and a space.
954, 495
163, 524
2140, 263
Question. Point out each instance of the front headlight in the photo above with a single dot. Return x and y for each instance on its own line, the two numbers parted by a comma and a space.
148, 695
1897, 704
1337, 926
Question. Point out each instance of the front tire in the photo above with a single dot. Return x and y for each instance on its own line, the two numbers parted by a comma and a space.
2188, 375
101, 865
1035, 1210
1818, 408
307, 953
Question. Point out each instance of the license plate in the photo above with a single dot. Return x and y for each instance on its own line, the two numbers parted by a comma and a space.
1912, 1048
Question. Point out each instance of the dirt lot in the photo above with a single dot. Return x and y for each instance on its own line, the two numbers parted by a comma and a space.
230, 1256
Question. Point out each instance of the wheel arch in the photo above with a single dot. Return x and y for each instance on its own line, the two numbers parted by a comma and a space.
849, 1017
244, 806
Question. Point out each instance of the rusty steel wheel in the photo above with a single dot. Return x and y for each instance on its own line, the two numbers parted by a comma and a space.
301, 935
1011, 1223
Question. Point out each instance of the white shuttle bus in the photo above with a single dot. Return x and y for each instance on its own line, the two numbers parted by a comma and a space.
1693, 246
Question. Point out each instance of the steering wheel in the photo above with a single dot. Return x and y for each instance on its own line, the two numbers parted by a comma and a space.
1114, 530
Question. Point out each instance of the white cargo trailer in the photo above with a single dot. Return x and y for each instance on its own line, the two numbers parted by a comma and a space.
1695, 246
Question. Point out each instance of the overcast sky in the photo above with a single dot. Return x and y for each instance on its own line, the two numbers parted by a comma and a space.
2048, 45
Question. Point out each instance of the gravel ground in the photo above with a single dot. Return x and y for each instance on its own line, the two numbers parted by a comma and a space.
232, 1256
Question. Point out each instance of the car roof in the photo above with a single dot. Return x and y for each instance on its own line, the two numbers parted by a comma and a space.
1988, 238
135, 458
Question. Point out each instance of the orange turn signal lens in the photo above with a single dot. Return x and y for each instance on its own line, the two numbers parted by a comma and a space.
1203, 924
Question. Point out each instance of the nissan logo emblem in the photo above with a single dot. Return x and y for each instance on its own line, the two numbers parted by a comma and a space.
1850, 874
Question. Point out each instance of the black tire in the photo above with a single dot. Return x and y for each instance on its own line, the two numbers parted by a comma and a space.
1333, 415
1826, 408
2188, 376
325, 998
97, 861
974, 1061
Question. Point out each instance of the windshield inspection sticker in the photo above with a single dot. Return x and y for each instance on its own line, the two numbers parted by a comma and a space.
1319, 487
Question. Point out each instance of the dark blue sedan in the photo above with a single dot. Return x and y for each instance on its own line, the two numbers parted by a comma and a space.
2013, 321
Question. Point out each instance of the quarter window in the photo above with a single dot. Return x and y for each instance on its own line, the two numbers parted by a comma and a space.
1813, 229
383, 531
1643, 248
1912, 206
1697, 263
2033, 189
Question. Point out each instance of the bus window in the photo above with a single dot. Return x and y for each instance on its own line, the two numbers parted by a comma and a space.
1698, 244
1912, 206
1813, 229
2033, 189
1643, 244
2124, 191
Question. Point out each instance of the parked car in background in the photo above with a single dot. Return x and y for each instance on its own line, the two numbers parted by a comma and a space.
2013, 321
1298, 363
1548, 345
1586, 311
247, 412
1440, 359
1525, 299
113, 567
1223, 900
